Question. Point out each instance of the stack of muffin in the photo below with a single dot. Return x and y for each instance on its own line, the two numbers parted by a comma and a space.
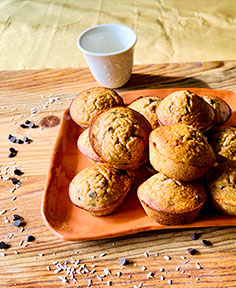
168, 133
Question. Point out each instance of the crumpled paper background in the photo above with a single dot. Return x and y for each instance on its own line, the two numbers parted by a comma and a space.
42, 33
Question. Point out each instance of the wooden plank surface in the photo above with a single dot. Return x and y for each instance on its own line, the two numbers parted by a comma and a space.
49, 92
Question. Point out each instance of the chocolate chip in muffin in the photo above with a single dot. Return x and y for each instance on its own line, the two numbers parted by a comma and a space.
92, 194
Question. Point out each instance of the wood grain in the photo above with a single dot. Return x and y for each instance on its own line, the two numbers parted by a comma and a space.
24, 90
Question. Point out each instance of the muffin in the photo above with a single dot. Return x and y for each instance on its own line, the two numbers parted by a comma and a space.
99, 189
221, 184
147, 107
180, 152
223, 141
185, 107
119, 136
221, 108
85, 147
91, 102
171, 202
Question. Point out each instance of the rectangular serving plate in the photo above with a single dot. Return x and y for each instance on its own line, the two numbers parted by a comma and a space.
69, 222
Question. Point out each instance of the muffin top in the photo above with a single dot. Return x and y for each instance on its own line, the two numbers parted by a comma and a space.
183, 143
160, 192
223, 142
91, 102
99, 186
119, 136
221, 108
85, 147
221, 182
185, 107
147, 107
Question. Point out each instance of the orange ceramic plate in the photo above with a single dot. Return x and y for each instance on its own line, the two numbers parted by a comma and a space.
71, 223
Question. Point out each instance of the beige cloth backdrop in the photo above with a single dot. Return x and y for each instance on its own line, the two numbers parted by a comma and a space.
42, 33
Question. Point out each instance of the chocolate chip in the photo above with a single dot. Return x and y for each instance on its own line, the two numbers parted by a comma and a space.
32, 125
12, 139
4, 245
11, 155
29, 238
17, 217
79, 198
12, 150
212, 102
23, 126
124, 261
18, 172
18, 223
206, 243
19, 141
92, 194
27, 122
27, 140
15, 181
191, 251
194, 236
222, 187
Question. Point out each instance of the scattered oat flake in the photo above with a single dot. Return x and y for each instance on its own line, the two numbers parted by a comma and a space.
150, 275
170, 282
99, 278
89, 282
107, 271
48, 268
166, 257
109, 283
118, 274
16, 252
162, 277
144, 268
146, 254
198, 266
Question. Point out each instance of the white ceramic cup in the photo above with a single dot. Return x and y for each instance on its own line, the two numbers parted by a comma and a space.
108, 50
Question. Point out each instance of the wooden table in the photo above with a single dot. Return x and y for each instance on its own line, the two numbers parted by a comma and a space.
24, 94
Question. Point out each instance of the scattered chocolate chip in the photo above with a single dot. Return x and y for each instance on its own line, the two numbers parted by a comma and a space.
27, 140
15, 181
19, 141
212, 102
191, 251
17, 217
124, 261
206, 243
32, 125
12, 139
222, 187
194, 236
92, 194
4, 245
79, 198
18, 172
29, 238
27, 122
23, 126
12, 150
18, 223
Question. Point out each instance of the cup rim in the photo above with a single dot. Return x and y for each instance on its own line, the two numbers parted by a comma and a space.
109, 53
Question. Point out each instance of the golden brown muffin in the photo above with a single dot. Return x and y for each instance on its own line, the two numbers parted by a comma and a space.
85, 147
119, 136
169, 201
99, 189
221, 183
185, 107
180, 152
147, 107
91, 102
221, 108
223, 141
